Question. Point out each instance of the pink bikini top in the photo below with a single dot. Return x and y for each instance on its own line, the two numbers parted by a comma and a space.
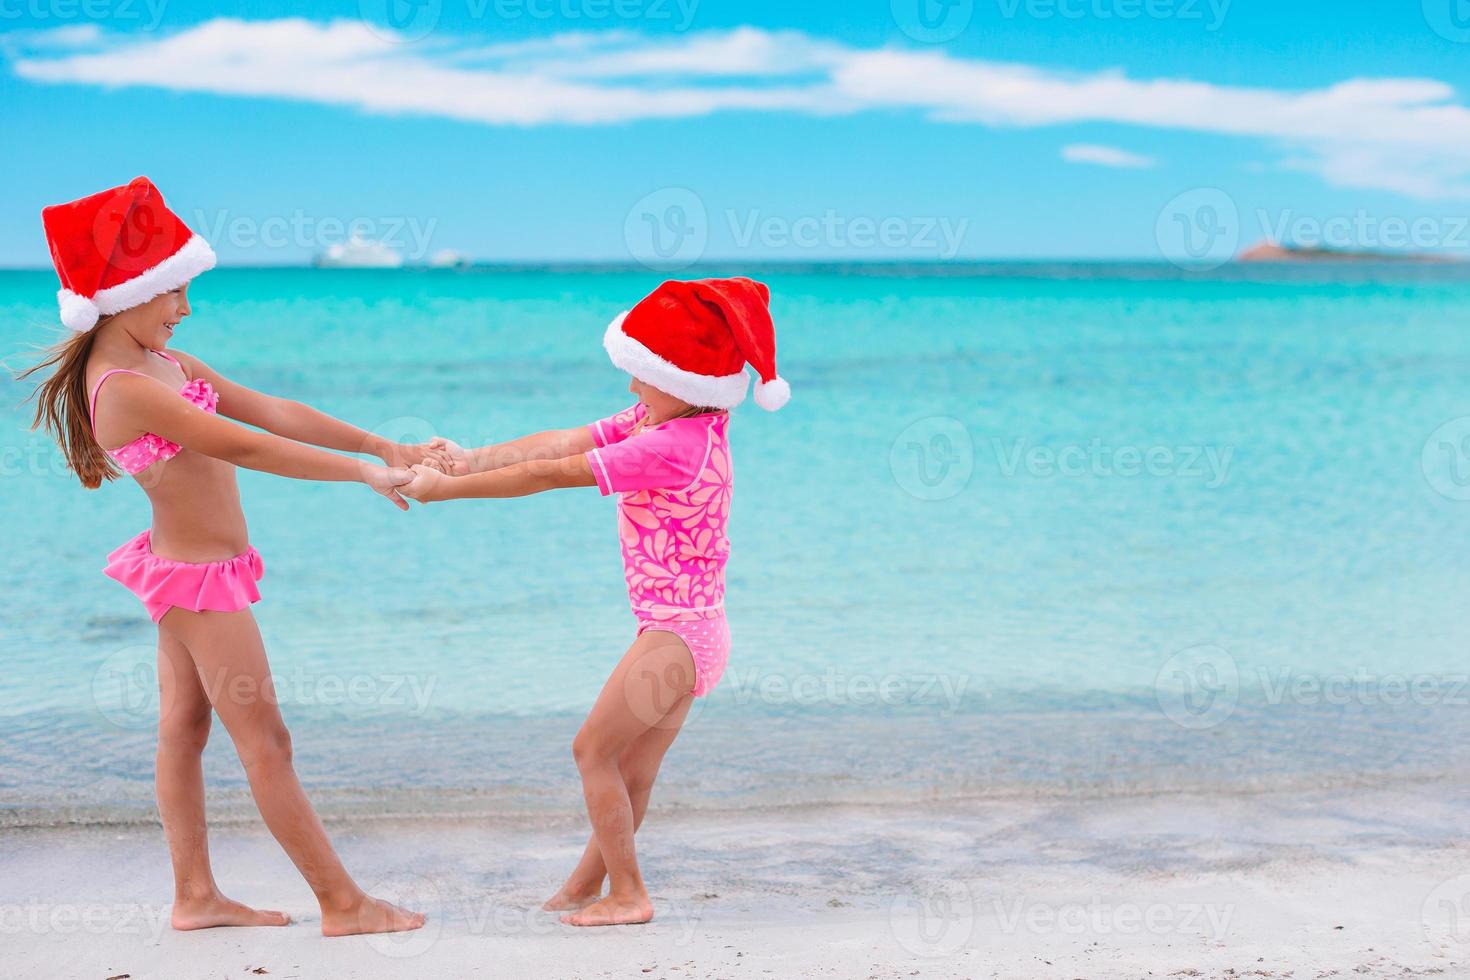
148, 448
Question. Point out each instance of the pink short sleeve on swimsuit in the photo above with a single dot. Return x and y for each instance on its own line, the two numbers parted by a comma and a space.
665, 457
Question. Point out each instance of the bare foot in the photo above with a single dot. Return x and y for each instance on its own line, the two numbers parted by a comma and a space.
612, 912
217, 911
571, 900
368, 916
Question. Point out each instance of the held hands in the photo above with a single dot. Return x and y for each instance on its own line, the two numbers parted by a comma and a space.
389, 482
402, 455
427, 484
419, 472
446, 456
443, 459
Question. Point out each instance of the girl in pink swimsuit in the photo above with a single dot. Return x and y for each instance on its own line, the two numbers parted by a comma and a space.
668, 459
116, 398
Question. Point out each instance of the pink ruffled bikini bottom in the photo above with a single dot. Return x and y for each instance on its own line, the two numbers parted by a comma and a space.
162, 583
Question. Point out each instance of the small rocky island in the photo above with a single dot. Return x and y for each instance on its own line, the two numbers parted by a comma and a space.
1269, 251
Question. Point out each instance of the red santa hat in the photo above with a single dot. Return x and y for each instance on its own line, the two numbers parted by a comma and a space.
693, 340
118, 249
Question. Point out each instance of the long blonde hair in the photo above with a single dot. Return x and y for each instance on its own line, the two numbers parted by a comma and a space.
62, 409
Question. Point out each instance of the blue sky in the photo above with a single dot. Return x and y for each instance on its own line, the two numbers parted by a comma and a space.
671, 130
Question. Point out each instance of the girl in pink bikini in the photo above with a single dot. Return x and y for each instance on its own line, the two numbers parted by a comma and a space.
117, 398
668, 459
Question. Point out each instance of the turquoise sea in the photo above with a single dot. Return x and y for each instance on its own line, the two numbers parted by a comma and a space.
1022, 529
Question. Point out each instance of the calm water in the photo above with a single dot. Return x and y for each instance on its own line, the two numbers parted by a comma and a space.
1019, 528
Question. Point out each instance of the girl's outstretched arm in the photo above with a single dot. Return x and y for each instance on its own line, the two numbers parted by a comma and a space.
549, 445
154, 407
298, 421
515, 480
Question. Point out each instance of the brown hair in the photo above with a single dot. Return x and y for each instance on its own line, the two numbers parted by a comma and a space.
688, 413
694, 410
61, 407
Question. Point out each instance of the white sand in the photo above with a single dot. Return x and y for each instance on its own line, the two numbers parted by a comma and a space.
1307, 885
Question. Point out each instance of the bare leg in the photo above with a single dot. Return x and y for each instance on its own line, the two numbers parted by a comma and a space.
183, 729
639, 766
231, 663
650, 688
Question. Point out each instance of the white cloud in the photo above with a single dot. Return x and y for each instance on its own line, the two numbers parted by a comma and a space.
743, 52
346, 63
1405, 135
1106, 156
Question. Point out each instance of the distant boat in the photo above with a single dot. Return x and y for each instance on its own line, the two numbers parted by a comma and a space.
359, 253
448, 258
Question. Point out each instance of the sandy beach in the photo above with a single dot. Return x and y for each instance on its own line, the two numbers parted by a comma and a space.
1362, 883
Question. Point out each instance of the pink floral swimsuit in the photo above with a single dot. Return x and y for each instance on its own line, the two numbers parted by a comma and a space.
673, 482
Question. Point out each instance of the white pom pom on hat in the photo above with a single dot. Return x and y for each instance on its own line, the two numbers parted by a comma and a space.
77, 312
772, 394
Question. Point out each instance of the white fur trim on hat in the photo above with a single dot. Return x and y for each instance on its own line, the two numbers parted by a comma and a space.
629, 355
195, 257
772, 394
